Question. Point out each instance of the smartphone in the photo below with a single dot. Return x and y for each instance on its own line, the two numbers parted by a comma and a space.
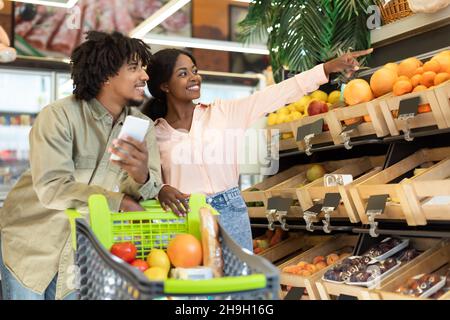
133, 127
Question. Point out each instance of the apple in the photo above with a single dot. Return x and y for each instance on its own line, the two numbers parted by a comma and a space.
317, 107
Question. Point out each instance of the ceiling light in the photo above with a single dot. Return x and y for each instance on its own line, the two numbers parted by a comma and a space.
159, 16
184, 42
52, 3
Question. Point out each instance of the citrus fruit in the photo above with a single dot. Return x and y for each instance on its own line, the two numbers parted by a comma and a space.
357, 91
334, 97
185, 251
319, 95
156, 274
158, 258
382, 81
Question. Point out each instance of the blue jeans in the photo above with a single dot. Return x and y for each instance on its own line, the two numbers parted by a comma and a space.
12, 289
233, 216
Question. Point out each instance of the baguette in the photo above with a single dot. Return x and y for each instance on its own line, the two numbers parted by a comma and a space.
212, 251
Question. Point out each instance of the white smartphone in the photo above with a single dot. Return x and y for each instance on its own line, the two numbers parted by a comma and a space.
133, 127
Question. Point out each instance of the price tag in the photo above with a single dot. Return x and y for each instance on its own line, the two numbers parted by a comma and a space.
295, 293
314, 210
279, 204
331, 201
408, 107
377, 204
352, 127
314, 128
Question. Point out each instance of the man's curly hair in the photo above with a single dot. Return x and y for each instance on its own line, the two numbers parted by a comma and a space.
101, 57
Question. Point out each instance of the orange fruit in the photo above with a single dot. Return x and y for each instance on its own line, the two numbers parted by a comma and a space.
403, 78
415, 80
351, 121
382, 81
444, 60
321, 265
402, 87
185, 251
441, 78
391, 66
428, 78
305, 273
357, 91
419, 70
424, 108
432, 65
420, 88
408, 67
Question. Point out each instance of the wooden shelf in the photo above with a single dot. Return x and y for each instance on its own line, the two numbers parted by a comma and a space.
409, 26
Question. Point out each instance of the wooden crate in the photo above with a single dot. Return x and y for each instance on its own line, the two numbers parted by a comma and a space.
328, 289
285, 144
381, 183
362, 169
259, 196
432, 183
333, 244
324, 137
286, 247
289, 187
372, 109
436, 262
443, 96
433, 118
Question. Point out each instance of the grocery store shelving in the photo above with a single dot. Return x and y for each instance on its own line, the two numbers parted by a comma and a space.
409, 26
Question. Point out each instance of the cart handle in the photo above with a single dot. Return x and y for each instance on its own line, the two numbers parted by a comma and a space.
215, 286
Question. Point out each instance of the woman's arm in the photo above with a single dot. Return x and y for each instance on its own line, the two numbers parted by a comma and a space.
243, 112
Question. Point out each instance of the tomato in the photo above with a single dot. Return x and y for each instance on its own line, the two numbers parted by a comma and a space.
125, 251
141, 265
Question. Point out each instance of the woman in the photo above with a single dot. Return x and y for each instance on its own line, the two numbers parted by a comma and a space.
192, 138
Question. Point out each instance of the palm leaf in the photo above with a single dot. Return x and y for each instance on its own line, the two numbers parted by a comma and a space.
302, 33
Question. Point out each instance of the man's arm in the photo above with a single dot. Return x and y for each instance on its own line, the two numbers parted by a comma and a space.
52, 165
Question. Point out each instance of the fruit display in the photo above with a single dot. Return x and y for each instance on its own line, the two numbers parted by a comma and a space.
315, 103
420, 285
315, 172
269, 239
373, 271
306, 269
365, 268
383, 247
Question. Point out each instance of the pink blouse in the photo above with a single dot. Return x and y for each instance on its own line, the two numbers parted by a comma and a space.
204, 160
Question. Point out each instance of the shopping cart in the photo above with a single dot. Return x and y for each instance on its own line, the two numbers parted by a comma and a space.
104, 276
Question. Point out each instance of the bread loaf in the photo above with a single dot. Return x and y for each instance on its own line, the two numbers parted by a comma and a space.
212, 251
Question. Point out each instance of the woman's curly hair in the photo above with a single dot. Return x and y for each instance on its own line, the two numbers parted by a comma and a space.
101, 57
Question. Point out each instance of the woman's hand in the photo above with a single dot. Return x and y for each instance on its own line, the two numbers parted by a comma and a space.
171, 198
346, 63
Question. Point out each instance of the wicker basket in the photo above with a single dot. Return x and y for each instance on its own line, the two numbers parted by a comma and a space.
394, 10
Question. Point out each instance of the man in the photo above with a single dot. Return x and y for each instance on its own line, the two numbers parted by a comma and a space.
70, 147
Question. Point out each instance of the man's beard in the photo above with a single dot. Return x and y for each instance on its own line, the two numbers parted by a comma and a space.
135, 103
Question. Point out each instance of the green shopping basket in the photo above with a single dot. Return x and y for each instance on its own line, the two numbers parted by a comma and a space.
104, 276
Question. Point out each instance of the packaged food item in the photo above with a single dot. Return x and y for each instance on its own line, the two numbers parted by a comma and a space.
212, 251
198, 273
423, 285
